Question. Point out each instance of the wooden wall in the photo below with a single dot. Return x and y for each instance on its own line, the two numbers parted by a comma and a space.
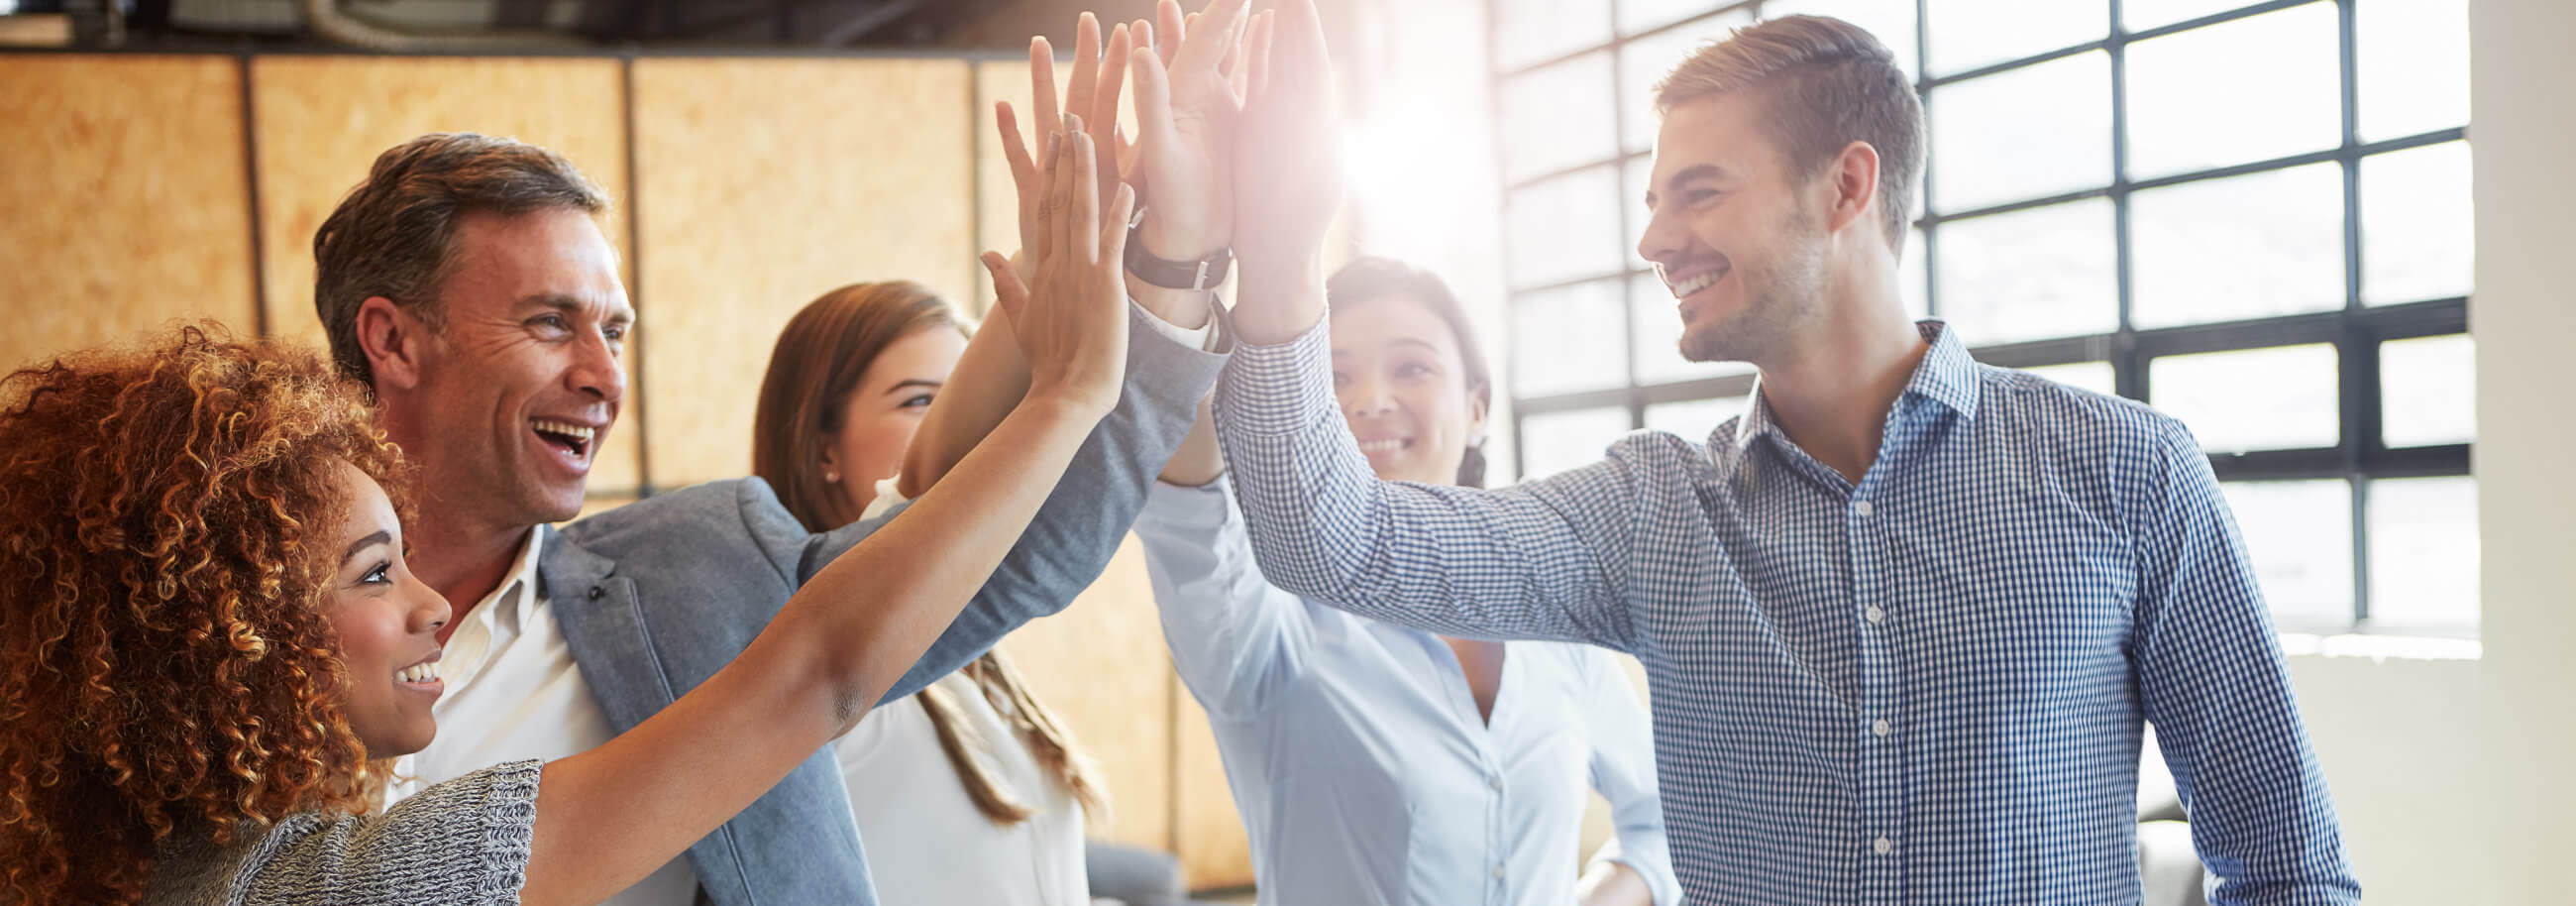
134, 196
123, 203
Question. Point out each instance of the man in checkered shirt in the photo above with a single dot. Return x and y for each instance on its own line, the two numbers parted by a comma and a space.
1904, 618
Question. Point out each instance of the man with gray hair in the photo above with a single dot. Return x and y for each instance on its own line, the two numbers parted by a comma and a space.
466, 282
1905, 618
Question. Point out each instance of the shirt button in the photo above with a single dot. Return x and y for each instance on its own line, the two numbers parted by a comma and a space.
1498, 871
1881, 728
1875, 614
1862, 507
1884, 846
1495, 782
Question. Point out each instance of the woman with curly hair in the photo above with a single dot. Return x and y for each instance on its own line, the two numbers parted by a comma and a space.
210, 644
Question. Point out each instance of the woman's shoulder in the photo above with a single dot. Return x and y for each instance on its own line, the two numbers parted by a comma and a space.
463, 841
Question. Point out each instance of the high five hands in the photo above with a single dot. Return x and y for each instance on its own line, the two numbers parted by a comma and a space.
1238, 148
1070, 316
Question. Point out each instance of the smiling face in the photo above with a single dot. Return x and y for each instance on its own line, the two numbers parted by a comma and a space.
1737, 236
523, 379
879, 416
1402, 383
387, 622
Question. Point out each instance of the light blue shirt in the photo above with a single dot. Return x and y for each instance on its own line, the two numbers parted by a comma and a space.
1925, 686
1354, 748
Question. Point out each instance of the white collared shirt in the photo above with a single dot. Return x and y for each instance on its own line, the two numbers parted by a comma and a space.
926, 840
514, 692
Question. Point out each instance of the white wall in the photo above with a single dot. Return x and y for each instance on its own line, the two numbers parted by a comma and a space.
2452, 777
2525, 142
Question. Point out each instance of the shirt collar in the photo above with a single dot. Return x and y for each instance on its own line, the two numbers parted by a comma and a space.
518, 588
1947, 375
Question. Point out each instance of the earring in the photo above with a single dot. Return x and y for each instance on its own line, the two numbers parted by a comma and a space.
831, 477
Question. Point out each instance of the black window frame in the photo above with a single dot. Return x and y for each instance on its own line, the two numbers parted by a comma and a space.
2355, 330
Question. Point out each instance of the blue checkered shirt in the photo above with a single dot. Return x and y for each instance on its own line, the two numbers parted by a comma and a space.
1926, 687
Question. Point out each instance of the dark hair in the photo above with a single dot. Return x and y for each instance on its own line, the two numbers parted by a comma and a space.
820, 356
392, 235
1370, 279
167, 669
1825, 83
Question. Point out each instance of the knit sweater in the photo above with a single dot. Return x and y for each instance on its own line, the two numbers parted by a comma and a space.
462, 842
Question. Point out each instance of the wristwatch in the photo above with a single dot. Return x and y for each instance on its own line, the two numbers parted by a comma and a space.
1194, 276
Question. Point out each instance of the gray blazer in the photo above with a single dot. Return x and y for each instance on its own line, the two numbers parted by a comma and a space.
656, 596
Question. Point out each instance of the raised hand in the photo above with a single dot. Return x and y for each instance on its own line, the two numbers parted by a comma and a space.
1186, 103
1070, 317
1287, 174
1091, 92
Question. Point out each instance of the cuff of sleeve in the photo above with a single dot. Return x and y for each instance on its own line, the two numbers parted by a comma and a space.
1201, 508
1202, 337
1277, 389
1666, 889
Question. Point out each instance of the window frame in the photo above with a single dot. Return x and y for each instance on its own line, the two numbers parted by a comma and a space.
2355, 329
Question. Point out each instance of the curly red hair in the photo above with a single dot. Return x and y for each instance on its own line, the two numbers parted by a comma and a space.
166, 667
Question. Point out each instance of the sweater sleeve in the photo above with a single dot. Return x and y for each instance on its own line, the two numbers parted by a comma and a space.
465, 841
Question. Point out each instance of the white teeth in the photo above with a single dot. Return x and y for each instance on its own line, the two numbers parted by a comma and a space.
1381, 446
574, 431
417, 673
1695, 284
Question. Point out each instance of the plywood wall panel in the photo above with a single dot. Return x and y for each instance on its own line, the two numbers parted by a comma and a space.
764, 183
322, 120
1102, 667
123, 200
1214, 849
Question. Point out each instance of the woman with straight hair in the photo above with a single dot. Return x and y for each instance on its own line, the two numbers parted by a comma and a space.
970, 791
211, 646
1374, 763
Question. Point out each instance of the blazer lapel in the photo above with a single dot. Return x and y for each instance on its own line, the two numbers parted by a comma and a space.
605, 628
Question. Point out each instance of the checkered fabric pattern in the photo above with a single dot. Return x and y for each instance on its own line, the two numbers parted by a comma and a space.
1926, 687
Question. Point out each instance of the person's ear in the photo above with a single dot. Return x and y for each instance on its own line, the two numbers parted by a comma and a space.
1479, 401
1853, 182
394, 343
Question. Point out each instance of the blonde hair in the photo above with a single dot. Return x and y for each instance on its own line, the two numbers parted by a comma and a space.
1825, 83
820, 356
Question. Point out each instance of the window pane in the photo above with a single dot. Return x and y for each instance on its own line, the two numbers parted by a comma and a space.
2243, 247
2259, 399
1528, 31
1563, 228
1558, 117
2253, 89
2030, 275
1557, 441
2139, 15
1658, 326
1967, 34
2299, 534
2424, 553
1892, 21
1643, 63
2026, 133
2417, 225
1568, 339
1695, 419
2094, 376
2413, 62
1639, 15
2428, 391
